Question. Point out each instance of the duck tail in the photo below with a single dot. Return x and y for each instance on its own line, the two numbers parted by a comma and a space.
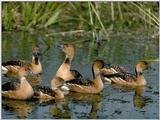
4, 70
65, 87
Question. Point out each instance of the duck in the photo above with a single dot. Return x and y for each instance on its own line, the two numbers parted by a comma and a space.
129, 79
18, 91
64, 71
11, 68
47, 93
109, 69
89, 86
24, 90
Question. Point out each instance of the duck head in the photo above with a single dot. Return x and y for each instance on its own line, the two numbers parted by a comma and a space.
36, 54
36, 50
140, 67
96, 66
68, 49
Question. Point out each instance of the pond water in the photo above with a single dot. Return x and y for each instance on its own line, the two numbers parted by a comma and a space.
123, 49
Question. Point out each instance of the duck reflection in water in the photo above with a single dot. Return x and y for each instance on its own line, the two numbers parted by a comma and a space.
60, 109
139, 100
93, 102
63, 108
21, 108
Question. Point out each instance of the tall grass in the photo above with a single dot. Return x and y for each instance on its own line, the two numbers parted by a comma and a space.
88, 16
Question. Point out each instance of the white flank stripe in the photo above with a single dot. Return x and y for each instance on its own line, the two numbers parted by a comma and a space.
4, 70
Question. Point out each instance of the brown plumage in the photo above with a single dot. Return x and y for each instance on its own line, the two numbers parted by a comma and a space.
44, 92
112, 68
129, 79
95, 85
11, 68
64, 71
20, 91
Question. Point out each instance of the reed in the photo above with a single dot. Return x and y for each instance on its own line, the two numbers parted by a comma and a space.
87, 16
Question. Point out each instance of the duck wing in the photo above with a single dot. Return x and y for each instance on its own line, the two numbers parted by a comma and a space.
128, 77
10, 86
43, 89
15, 63
79, 79
117, 68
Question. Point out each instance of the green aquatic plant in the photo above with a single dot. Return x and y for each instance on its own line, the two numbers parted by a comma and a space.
72, 16
151, 18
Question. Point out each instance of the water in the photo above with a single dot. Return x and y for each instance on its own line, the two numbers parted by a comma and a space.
112, 102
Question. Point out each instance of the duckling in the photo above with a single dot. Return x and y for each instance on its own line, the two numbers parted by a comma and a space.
11, 68
44, 92
20, 91
129, 79
94, 86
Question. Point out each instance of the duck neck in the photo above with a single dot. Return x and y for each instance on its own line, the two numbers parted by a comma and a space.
98, 81
35, 60
25, 88
67, 60
24, 84
59, 94
138, 72
66, 64
140, 78
93, 73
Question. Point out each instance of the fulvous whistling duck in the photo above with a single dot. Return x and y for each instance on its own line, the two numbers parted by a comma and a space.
94, 86
111, 69
63, 74
64, 70
20, 91
36, 64
44, 92
24, 89
11, 68
129, 79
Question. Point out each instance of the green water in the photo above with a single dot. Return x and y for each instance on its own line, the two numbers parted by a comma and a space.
124, 48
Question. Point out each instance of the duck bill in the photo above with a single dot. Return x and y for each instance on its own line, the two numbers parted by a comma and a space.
60, 47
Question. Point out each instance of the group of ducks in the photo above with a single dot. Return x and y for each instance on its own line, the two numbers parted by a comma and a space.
65, 78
